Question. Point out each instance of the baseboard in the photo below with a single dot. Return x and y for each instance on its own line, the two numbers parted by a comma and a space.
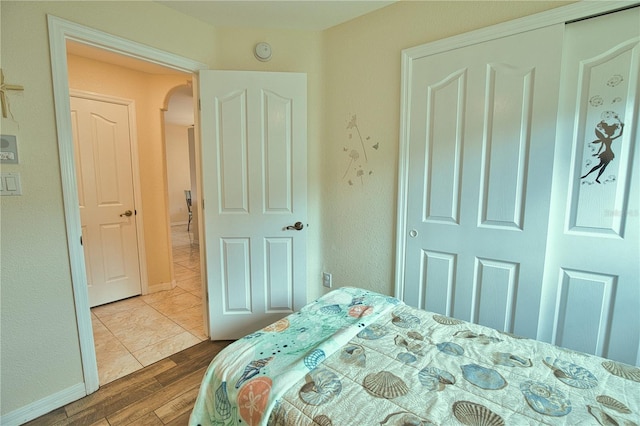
161, 287
43, 406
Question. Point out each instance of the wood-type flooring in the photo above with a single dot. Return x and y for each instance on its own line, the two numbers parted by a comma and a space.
161, 394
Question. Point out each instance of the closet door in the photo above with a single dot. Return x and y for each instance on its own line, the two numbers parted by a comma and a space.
591, 300
480, 133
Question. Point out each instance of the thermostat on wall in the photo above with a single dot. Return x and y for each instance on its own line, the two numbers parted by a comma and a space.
9, 149
262, 51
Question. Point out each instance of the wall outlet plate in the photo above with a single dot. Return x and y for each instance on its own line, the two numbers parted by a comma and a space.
326, 279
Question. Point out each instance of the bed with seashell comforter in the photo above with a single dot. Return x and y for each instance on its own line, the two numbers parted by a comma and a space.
355, 357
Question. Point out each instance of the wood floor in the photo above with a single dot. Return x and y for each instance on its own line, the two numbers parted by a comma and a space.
161, 394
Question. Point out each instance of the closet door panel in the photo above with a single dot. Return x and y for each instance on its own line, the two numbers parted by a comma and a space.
591, 297
480, 136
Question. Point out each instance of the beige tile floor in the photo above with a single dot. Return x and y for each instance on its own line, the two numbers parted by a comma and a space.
136, 332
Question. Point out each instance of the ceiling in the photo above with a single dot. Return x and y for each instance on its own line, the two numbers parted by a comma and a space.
311, 15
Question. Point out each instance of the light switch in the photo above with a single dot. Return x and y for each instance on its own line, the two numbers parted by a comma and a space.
10, 184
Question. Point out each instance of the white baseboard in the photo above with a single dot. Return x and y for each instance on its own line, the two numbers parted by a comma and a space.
43, 406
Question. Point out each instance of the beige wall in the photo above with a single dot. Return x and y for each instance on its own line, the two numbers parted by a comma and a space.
352, 69
361, 77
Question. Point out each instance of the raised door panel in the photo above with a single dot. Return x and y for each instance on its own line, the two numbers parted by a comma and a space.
607, 87
443, 155
438, 269
505, 150
584, 310
232, 147
279, 275
277, 151
236, 275
495, 289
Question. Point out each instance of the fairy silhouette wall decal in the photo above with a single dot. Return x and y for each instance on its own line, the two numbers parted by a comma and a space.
607, 130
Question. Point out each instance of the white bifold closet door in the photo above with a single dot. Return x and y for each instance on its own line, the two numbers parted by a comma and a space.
482, 126
591, 298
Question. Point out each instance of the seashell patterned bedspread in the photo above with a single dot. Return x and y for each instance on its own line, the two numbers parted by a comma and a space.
355, 357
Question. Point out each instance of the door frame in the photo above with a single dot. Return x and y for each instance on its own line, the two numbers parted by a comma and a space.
564, 14
60, 31
137, 193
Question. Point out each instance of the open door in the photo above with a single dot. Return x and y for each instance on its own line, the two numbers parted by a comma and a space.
254, 161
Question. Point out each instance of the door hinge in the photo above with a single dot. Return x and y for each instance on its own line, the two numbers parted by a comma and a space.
135, 212
203, 204
199, 105
81, 240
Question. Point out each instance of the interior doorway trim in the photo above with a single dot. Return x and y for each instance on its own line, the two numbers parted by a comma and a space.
60, 31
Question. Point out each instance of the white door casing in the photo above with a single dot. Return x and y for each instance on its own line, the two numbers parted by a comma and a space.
102, 134
591, 300
480, 139
254, 186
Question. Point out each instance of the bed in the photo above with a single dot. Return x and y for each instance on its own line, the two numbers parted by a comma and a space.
355, 357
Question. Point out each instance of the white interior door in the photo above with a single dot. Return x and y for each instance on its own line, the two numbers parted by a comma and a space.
254, 186
592, 283
480, 138
102, 141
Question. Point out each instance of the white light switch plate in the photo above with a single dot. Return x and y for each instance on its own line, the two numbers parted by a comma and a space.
10, 184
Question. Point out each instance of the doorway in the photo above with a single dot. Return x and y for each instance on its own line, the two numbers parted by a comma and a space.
109, 47
137, 328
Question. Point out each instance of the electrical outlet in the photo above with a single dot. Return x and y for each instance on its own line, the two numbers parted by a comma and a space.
326, 279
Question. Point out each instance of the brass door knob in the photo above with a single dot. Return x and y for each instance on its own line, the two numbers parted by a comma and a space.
127, 213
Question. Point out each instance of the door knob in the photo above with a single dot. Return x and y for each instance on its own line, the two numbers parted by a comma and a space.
127, 213
295, 227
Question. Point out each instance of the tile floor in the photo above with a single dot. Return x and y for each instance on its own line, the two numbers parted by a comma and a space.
136, 332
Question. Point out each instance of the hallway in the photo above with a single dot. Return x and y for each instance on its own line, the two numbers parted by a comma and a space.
133, 333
